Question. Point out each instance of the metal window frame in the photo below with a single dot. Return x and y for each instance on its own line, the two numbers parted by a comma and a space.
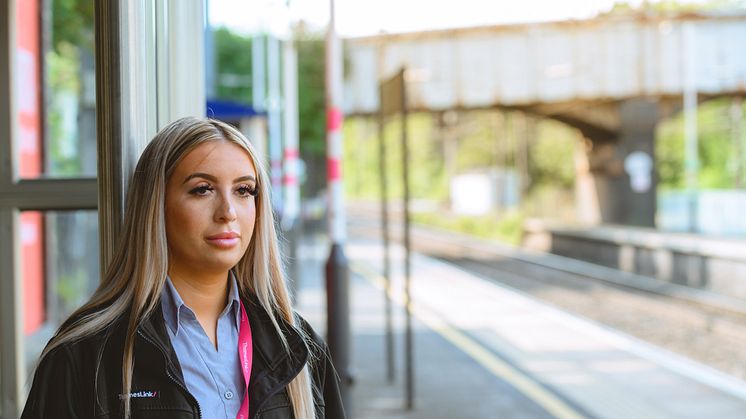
149, 71
125, 113
18, 195
11, 320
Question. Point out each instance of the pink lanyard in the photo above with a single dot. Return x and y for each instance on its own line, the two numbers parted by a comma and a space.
245, 353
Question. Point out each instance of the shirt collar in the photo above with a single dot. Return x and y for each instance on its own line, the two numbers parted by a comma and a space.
234, 299
173, 306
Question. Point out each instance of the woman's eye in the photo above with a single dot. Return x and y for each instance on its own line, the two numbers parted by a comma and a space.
247, 191
201, 190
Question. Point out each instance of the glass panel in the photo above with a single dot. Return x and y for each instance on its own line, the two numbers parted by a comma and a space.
57, 92
60, 271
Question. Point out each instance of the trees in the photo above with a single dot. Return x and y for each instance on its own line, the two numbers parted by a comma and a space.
233, 79
311, 109
663, 6
232, 65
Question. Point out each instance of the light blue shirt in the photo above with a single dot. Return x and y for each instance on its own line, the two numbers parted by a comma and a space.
213, 376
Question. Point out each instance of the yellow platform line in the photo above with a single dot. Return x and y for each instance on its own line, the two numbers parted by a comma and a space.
520, 381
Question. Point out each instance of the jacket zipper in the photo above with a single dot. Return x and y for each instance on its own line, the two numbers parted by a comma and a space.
172, 378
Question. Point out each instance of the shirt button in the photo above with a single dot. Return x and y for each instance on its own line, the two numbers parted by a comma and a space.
228, 395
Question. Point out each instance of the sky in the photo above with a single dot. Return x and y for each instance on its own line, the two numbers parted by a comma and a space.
370, 17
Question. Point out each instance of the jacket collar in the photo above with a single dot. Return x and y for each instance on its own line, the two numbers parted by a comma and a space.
273, 367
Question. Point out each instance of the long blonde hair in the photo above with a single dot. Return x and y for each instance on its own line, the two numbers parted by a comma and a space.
135, 277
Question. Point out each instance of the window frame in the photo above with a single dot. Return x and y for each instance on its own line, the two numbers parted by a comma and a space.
145, 50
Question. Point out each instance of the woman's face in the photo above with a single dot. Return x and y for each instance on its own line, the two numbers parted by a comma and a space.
210, 209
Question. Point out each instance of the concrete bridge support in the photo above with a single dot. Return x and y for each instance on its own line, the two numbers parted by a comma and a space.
616, 180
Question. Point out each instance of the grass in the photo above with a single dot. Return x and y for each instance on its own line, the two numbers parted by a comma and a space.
506, 227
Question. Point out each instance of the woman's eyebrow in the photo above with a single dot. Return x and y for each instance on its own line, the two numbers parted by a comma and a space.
244, 178
202, 175
214, 179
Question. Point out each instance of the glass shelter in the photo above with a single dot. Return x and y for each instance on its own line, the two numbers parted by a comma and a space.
83, 86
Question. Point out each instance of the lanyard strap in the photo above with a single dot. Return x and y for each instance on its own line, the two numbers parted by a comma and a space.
245, 353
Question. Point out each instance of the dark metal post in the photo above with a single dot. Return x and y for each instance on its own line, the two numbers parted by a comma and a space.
337, 269
338, 318
409, 339
390, 365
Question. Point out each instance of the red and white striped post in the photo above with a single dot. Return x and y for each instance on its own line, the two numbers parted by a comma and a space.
337, 269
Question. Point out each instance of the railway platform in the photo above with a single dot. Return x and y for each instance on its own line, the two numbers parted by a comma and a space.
483, 350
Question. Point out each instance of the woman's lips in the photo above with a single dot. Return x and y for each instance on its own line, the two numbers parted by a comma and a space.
224, 240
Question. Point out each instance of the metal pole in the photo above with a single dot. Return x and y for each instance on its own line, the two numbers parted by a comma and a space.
258, 124
12, 355
337, 269
290, 161
258, 77
409, 339
210, 90
691, 158
390, 366
13, 360
274, 122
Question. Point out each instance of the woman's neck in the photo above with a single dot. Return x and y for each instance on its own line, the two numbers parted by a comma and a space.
205, 295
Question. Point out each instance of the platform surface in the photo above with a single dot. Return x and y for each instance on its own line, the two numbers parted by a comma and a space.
482, 350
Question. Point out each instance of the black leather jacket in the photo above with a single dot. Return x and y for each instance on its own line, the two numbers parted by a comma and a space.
84, 379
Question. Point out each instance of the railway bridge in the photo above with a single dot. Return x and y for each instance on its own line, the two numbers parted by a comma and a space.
613, 78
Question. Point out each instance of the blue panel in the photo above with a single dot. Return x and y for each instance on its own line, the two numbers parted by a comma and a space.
228, 110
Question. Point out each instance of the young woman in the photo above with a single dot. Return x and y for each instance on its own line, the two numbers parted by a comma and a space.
193, 317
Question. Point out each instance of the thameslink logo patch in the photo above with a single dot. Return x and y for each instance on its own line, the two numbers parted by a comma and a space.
140, 395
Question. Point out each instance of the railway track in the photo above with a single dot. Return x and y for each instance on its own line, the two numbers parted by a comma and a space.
709, 334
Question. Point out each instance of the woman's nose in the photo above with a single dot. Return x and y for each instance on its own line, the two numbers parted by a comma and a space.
226, 210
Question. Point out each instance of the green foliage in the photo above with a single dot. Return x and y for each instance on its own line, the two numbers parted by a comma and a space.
72, 288
63, 66
484, 143
481, 145
311, 95
72, 24
669, 154
63, 69
361, 159
548, 201
233, 77
715, 146
507, 228
487, 139
717, 152
552, 155
232, 66
71, 40
312, 108
665, 6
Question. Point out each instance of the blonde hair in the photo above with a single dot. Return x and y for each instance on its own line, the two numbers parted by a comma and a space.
135, 277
